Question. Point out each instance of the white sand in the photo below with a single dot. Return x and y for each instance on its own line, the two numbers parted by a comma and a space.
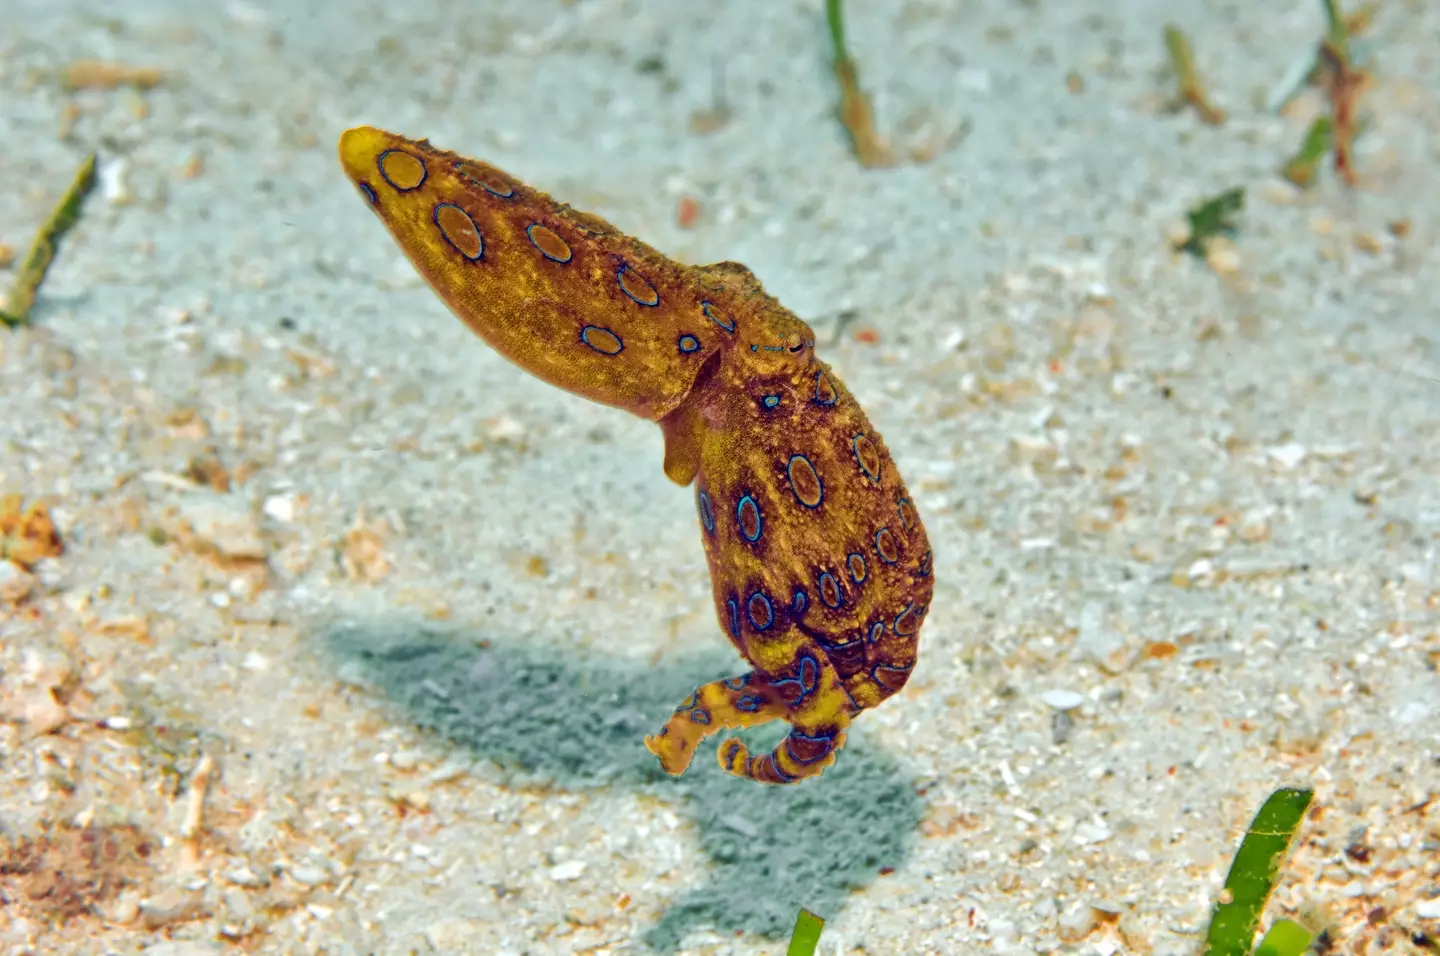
1210, 508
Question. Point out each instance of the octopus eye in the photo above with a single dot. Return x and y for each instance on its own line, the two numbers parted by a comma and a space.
794, 342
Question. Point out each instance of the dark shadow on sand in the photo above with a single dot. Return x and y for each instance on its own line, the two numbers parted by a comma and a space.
577, 721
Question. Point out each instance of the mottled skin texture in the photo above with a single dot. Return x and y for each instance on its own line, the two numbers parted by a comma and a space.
820, 567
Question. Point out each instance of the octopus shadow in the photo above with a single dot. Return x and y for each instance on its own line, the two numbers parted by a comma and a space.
576, 721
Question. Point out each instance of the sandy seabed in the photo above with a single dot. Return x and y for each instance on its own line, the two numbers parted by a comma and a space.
357, 629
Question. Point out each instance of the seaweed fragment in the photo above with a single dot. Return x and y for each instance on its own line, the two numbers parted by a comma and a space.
1253, 875
718, 113
1343, 83
1300, 169
1192, 90
1334, 68
855, 111
16, 310
1213, 217
806, 935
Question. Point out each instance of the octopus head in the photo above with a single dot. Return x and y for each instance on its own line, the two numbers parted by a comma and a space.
776, 343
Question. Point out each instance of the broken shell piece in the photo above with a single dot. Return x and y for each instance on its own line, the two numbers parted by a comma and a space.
15, 583
27, 535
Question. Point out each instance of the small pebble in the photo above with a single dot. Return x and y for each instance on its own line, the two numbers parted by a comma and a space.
1254, 527
505, 428
126, 909
1061, 724
1028, 450
42, 713
448, 771
16, 583
244, 876
1288, 456
170, 906
223, 522
1222, 256
46, 668
1076, 924
280, 508
740, 825
308, 875
112, 182
1087, 833
237, 904
567, 871
1063, 699
418, 799
134, 626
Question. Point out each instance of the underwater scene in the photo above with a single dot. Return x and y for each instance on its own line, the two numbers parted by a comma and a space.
528, 477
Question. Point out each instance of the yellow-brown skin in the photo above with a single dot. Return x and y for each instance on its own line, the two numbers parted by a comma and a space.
820, 567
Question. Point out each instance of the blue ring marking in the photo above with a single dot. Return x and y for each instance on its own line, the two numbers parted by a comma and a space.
818, 738
380, 165
749, 704
569, 254
830, 386
771, 401
813, 670
620, 280
461, 168
819, 485
907, 519
718, 316
902, 615
876, 630
699, 716
850, 560
737, 683
800, 602
924, 568
435, 218
707, 512
585, 337
875, 672
807, 679
369, 192
839, 594
734, 618
780, 771
885, 532
689, 343
769, 611
855, 445
740, 515
692, 701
